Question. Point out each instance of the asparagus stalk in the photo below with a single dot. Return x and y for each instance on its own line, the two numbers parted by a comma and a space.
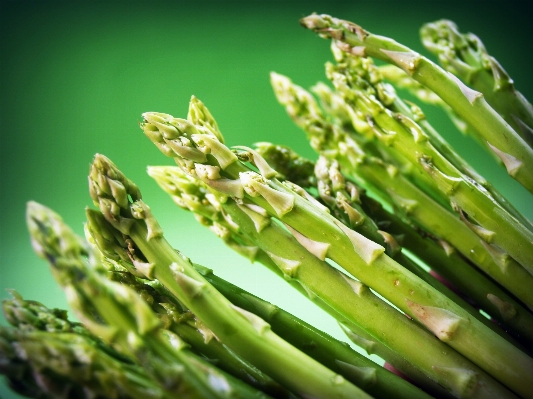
192, 195
246, 334
470, 105
221, 170
324, 283
479, 210
445, 260
128, 322
394, 189
465, 56
438, 256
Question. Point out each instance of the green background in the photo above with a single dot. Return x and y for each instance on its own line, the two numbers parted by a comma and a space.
76, 76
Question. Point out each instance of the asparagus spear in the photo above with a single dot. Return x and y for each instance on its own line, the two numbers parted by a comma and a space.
214, 163
393, 188
29, 315
120, 316
351, 301
467, 103
465, 56
246, 334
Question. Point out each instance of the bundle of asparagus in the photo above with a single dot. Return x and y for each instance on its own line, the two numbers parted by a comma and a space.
417, 257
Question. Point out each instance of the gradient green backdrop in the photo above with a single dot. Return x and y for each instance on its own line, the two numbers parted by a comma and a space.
76, 76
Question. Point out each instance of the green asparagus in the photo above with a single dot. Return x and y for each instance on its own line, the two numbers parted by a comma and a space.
53, 357
418, 258
173, 314
221, 169
480, 211
246, 334
324, 283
